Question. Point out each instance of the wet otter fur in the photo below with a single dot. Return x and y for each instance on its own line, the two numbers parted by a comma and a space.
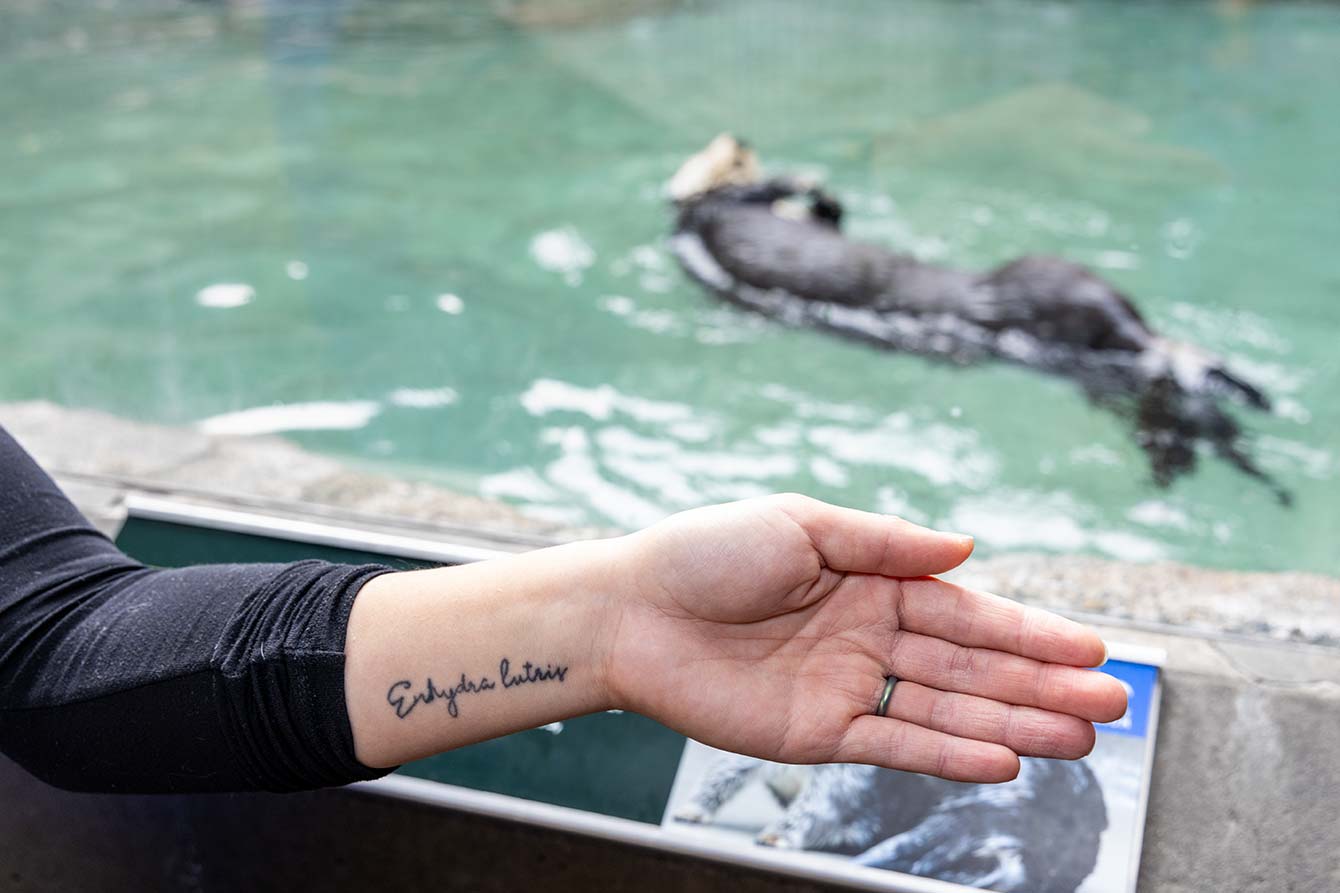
1039, 833
775, 246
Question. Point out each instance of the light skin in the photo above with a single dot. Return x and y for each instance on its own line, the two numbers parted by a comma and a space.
764, 627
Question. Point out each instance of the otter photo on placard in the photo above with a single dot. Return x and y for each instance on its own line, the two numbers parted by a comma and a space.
1059, 827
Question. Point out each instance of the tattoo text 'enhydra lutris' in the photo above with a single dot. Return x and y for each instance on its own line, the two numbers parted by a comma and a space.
403, 701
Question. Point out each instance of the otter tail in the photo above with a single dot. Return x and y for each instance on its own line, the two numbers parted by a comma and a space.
1200, 372
1172, 420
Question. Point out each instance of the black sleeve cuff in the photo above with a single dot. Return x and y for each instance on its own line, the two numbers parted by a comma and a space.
280, 679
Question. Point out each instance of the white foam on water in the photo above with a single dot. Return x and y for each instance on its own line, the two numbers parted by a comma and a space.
225, 295
660, 322
450, 304
682, 478
1128, 546
548, 395
563, 251
939, 453
1018, 527
655, 282
577, 472
423, 398
1180, 238
672, 487
1315, 462
1157, 513
316, 416
1223, 327
892, 501
828, 472
784, 435
1095, 454
693, 431
1049, 521
1117, 260
809, 408
619, 305
1291, 409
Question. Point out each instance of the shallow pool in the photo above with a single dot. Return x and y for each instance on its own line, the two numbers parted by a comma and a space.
429, 237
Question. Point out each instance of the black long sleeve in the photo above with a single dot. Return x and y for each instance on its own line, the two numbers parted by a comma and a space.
119, 677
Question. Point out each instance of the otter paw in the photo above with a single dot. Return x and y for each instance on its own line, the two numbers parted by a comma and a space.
776, 840
690, 814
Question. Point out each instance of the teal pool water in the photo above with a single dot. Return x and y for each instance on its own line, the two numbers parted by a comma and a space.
429, 237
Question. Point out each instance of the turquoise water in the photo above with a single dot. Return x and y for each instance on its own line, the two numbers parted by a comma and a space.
432, 235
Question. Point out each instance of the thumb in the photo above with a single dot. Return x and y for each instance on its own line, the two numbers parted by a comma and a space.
867, 543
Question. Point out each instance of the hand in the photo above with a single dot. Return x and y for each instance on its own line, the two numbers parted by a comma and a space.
767, 627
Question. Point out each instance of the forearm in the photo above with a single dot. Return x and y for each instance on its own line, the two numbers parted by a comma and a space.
440, 658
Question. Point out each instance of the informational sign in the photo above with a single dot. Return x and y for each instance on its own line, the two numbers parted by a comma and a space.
1060, 826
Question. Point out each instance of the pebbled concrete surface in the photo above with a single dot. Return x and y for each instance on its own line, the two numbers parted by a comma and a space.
1287, 606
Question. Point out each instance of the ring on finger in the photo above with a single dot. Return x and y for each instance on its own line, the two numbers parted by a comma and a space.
882, 708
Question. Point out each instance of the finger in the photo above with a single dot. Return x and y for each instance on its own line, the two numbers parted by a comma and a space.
1027, 731
1010, 678
864, 542
981, 620
895, 744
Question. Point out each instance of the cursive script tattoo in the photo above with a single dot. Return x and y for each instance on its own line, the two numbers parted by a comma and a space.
398, 693
403, 700
529, 673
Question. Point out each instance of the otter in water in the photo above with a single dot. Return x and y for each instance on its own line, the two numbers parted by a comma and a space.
775, 246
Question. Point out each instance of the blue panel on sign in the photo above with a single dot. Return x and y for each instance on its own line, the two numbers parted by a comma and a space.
1139, 681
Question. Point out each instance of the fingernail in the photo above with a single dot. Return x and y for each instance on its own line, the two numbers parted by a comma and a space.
1105, 652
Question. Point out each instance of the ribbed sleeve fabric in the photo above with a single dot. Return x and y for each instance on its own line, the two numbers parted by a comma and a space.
119, 677
280, 666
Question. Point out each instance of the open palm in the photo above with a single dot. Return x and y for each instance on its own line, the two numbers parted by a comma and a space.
768, 627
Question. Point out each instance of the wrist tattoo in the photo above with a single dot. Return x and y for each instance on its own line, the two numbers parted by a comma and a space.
403, 700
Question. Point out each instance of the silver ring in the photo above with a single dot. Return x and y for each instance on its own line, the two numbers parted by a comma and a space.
889, 683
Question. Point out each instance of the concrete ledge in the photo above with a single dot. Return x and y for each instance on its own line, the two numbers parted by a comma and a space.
1247, 769
83, 446
1287, 606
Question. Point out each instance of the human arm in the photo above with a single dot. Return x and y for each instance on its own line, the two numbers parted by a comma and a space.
725, 623
765, 627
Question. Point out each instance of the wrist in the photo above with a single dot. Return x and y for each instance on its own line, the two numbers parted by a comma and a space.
577, 602
439, 658
599, 601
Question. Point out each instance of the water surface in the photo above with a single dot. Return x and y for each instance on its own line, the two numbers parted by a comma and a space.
429, 237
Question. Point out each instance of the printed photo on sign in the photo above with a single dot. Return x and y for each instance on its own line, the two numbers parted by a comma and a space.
1060, 827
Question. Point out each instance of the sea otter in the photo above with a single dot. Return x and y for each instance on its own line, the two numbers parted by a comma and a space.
775, 246
1038, 833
